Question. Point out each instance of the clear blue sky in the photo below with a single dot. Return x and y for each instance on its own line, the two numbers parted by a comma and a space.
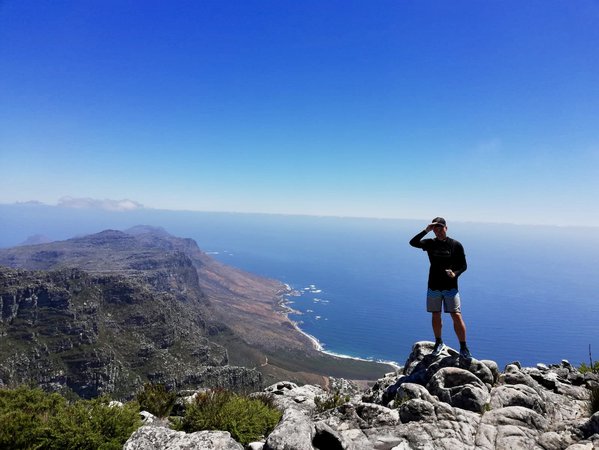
476, 110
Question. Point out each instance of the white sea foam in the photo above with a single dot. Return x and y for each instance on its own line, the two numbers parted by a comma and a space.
315, 342
395, 364
317, 345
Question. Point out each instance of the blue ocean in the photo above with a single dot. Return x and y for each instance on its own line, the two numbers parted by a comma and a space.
530, 294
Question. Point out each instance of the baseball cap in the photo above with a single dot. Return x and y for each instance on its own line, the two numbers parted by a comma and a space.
439, 221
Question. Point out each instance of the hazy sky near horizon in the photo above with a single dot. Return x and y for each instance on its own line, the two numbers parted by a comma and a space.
475, 110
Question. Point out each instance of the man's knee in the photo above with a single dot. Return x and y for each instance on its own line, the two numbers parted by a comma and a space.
456, 316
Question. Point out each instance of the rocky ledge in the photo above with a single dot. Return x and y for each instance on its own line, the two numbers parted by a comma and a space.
431, 403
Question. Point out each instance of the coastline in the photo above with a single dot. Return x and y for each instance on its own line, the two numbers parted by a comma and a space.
285, 310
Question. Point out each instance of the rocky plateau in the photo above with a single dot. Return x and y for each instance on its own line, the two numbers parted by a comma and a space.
431, 403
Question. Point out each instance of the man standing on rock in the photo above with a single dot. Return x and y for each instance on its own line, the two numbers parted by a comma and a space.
448, 262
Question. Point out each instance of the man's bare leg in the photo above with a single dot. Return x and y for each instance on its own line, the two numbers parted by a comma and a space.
460, 330
459, 326
437, 325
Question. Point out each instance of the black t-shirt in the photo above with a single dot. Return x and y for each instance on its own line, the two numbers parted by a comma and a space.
443, 255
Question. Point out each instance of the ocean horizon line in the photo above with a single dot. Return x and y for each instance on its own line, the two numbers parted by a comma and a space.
90, 204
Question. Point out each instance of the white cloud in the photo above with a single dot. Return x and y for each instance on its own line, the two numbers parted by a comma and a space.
106, 204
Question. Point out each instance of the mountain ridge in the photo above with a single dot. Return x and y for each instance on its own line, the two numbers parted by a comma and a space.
234, 317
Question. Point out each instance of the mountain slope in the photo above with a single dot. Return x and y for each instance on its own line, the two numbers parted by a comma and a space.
175, 309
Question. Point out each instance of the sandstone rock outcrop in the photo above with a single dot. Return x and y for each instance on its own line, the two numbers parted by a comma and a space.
160, 438
445, 403
438, 403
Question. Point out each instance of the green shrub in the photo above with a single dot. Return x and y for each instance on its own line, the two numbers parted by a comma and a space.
399, 400
93, 424
33, 419
156, 399
330, 401
247, 419
25, 414
267, 399
588, 368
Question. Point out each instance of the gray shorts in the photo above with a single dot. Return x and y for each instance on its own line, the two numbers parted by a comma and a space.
449, 299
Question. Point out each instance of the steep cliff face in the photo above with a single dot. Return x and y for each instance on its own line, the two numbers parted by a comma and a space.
107, 312
98, 333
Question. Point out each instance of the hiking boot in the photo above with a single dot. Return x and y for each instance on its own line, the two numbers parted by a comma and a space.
465, 354
438, 349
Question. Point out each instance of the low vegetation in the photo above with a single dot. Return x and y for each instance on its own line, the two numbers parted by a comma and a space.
330, 401
584, 368
156, 399
33, 419
247, 419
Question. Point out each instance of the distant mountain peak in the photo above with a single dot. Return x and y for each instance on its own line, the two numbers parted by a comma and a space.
36, 239
145, 229
103, 238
